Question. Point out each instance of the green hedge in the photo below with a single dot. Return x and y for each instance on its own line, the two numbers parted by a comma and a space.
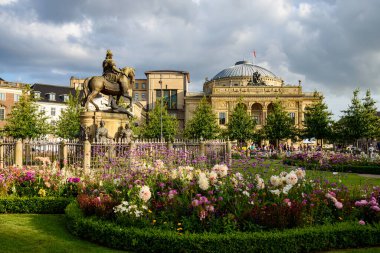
342, 235
354, 168
33, 205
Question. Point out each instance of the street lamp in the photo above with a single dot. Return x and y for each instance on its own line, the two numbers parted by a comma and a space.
161, 108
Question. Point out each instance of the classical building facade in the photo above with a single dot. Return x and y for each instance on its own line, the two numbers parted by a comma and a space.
10, 93
256, 87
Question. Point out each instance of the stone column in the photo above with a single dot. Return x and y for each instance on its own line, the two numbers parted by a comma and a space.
229, 153
18, 153
87, 156
202, 148
63, 153
1, 154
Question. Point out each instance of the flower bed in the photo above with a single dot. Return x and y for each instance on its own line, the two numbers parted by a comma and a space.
334, 162
308, 239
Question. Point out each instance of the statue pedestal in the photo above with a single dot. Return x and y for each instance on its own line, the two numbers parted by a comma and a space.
114, 122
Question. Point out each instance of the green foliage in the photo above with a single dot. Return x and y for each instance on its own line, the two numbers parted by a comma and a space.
241, 126
203, 124
279, 124
25, 121
372, 121
33, 205
317, 121
153, 127
68, 125
317, 238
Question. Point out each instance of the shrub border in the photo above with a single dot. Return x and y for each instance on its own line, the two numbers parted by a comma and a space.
38, 205
349, 168
318, 238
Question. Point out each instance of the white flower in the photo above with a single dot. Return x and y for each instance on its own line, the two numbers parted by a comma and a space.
245, 193
174, 174
260, 183
275, 192
221, 169
287, 188
158, 164
291, 178
300, 173
203, 181
239, 176
145, 193
213, 176
275, 181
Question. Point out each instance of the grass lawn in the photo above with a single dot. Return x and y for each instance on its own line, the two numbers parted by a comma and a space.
268, 168
41, 233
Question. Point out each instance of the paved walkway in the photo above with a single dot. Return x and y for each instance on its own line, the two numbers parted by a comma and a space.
369, 175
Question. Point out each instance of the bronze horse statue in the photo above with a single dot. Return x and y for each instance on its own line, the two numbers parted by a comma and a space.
98, 84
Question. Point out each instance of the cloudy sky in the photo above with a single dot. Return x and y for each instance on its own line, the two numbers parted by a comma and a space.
333, 46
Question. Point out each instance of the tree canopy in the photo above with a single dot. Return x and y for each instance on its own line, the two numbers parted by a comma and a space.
203, 123
241, 126
279, 124
68, 125
153, 127
25, 120
317, 120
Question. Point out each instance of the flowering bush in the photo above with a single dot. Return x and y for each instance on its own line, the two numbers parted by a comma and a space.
190, 199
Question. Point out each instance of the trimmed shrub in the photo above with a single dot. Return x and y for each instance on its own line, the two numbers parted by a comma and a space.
33, 205
341, 235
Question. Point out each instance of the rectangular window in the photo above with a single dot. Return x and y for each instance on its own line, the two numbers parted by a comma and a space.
136, 85
2, 113
173, 99
143, 97
136, 96
52, 111
2, 96
65, 98
143, 86
170, 98
16, 97
292, 115
37, 94
52, 96
222, 118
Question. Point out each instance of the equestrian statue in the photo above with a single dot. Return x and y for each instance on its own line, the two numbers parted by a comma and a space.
114, 82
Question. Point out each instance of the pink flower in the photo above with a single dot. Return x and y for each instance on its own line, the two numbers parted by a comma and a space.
338, 205
362, 202
362, 222
375, 208
287, 201
195, 203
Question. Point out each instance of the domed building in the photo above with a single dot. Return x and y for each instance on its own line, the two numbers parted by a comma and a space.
257, 88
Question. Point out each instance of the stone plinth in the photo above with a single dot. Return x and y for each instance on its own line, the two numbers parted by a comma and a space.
114, 122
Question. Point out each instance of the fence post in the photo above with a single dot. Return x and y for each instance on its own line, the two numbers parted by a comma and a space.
229, 153
170, 145
202, 149
63, 154
18, 153
1, 153
86, 155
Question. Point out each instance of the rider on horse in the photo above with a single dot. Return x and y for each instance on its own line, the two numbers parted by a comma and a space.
110, 72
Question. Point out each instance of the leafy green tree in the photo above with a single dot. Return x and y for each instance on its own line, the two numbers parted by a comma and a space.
241, 126
153, 127
25, 121
317, 121
68, 125
371, 120
204, 122
353, 122
279, 125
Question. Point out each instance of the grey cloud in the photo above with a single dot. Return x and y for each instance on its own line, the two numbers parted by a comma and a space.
333, 48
